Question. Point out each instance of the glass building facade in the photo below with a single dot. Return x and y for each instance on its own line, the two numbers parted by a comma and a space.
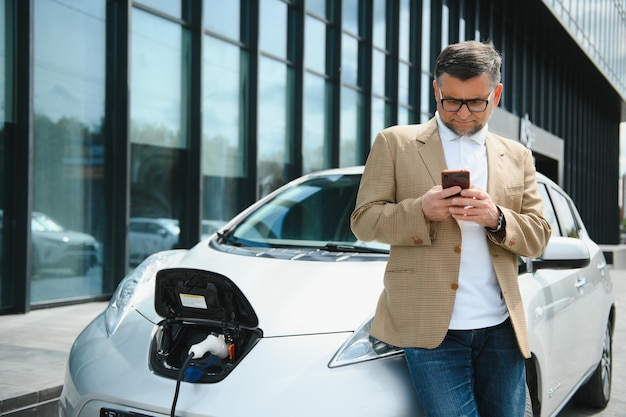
129, 127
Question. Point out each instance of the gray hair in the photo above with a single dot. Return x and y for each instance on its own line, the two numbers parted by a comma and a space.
469, 59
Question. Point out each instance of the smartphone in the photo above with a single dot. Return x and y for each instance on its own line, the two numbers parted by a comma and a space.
452, 177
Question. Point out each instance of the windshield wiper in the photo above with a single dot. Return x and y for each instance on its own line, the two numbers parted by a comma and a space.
333, 247
227, 237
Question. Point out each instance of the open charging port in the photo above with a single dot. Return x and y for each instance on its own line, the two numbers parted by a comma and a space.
206, 313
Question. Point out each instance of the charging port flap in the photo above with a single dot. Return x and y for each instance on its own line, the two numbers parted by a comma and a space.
199, 307
202, 297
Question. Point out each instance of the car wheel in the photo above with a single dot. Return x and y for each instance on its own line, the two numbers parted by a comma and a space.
597, 391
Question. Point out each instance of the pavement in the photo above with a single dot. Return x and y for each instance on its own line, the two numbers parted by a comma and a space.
34, 348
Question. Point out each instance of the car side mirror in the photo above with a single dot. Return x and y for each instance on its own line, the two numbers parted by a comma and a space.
562, 253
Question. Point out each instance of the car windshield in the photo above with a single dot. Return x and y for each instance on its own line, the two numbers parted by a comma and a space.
42, 223
314, 213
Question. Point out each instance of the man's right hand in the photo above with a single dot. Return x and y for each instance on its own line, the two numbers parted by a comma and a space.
436, 204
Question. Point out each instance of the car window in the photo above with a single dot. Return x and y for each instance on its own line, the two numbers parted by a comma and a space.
155, 229
42, 223
569, 226
137, 227
315, 212
548, 210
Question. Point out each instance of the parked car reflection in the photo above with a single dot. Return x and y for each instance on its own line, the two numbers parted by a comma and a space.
61, 249
150, 235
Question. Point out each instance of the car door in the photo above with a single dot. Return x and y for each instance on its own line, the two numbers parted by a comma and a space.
586, 321
563, 316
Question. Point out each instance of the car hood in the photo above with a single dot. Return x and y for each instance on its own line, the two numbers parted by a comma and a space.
66, 236
292, 297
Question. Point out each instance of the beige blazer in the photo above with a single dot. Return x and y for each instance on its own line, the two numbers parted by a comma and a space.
421, 277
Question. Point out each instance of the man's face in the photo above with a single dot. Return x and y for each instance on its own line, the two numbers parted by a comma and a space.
463, 121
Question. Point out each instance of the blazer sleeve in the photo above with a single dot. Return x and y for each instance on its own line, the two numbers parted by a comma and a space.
527, 232
380, 215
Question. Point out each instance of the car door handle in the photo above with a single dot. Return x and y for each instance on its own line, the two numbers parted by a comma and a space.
580, 284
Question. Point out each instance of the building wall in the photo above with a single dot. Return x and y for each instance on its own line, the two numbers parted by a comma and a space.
142, 125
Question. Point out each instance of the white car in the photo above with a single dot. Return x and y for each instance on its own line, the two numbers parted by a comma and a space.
57, 248
271, 317
148, 235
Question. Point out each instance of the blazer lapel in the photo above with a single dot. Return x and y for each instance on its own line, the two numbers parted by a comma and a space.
431, 151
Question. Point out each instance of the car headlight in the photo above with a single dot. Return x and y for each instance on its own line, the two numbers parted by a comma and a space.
361, 347
134, 285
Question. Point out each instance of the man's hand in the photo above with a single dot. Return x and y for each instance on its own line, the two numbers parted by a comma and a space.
474, 205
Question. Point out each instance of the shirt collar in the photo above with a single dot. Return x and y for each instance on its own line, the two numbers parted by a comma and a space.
447, 135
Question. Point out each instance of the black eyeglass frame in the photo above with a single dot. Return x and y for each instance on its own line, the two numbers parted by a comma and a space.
467, 103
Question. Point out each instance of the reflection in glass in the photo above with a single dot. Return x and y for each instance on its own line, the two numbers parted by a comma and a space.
223, 145
315, 45
4, 286
403, 83
349, 59
273, 27
222, 17
156, 111
404, 115
350, 16
405, 30
426, 93
273, 146
425, 35
380, 24
568, 223
378, 72
2, 87
314, 137
68, 90
351, 107
378, 117
156, 78
317, 7
171, 7
548, 210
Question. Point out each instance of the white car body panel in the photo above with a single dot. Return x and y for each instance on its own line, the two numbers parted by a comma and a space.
294, 297
295, 379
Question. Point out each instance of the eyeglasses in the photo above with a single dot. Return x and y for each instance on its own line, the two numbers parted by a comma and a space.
476, 105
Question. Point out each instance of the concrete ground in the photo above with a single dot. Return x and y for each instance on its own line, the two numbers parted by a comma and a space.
34, 349
33, 354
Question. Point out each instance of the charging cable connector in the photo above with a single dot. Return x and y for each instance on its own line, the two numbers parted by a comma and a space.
215, 345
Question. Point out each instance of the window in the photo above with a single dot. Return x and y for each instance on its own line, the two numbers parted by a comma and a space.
68, 174
158, 138
223, 143
314, 138
273, 28
548, 210
569, 226
222, 17
4, 286
272, 134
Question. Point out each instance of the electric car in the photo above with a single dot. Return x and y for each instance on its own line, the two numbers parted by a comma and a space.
271, 316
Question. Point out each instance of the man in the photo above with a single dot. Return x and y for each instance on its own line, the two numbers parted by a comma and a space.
451, 297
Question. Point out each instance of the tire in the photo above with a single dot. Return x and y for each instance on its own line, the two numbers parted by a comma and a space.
597, 391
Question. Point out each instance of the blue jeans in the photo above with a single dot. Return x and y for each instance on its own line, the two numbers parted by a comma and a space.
473, 373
